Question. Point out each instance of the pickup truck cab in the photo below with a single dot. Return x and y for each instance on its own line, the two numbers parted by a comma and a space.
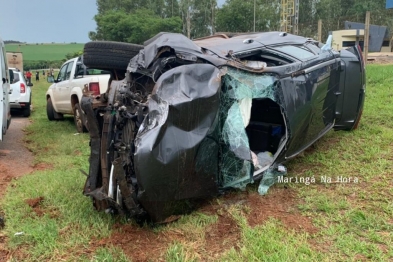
6, 76
65, 93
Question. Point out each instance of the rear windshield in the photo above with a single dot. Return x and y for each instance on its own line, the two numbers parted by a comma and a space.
299, 52
16, 77
91, 71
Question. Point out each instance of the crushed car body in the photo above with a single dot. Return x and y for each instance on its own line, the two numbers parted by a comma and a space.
194, 118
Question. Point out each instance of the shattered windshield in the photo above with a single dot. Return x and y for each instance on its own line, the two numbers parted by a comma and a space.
238, 90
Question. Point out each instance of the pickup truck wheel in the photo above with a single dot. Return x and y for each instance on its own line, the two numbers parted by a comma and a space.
79, 119
50, 111
109, 54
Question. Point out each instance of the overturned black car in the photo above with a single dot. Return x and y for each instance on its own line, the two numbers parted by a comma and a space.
186, 119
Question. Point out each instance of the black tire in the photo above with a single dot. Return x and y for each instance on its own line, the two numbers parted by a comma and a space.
26, 111
50, 111
79, 119
109, 55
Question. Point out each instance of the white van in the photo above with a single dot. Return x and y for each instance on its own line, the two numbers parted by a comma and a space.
6, 77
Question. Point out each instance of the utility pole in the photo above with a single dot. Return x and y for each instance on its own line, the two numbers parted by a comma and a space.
213, 10
296, 18
254, 15
366, 36
188, 19
320, 30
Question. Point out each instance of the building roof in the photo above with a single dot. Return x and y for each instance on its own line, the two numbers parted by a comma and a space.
377, 34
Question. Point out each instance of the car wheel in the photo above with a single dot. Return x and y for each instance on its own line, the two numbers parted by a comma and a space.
79, 119
50, 111
26, 111
109, 55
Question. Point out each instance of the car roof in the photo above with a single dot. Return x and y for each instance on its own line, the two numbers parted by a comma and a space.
16, 71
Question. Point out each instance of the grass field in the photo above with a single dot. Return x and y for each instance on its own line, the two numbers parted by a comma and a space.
47, 52
293, 222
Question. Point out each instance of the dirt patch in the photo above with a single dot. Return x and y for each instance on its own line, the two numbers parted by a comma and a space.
35, 204
144, 244
140, 244
5, 179
279, 203
219, 237
43, 166
222, 236
380, 60
15, 161
3, 252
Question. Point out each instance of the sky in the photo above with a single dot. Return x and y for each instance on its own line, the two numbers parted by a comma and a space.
47, 21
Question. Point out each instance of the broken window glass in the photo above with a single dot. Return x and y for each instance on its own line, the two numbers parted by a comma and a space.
238, 89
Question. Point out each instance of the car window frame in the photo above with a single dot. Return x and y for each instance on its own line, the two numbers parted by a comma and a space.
68, 72
276, 48
59, 77
17, 77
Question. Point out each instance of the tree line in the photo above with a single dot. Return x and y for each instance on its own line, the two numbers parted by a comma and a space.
135, 21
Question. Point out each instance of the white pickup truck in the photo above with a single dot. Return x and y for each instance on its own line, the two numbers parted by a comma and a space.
65, 93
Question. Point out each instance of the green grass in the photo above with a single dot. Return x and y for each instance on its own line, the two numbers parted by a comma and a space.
47, 52
69, 221
355, 218
354, 221
271, 242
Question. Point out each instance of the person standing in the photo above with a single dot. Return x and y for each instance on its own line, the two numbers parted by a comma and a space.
37, 76
28, 76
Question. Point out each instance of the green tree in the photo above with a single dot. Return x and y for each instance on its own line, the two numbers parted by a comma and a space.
198, 17
238, 16
136, 27
163, 8
72, 55
172, 8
